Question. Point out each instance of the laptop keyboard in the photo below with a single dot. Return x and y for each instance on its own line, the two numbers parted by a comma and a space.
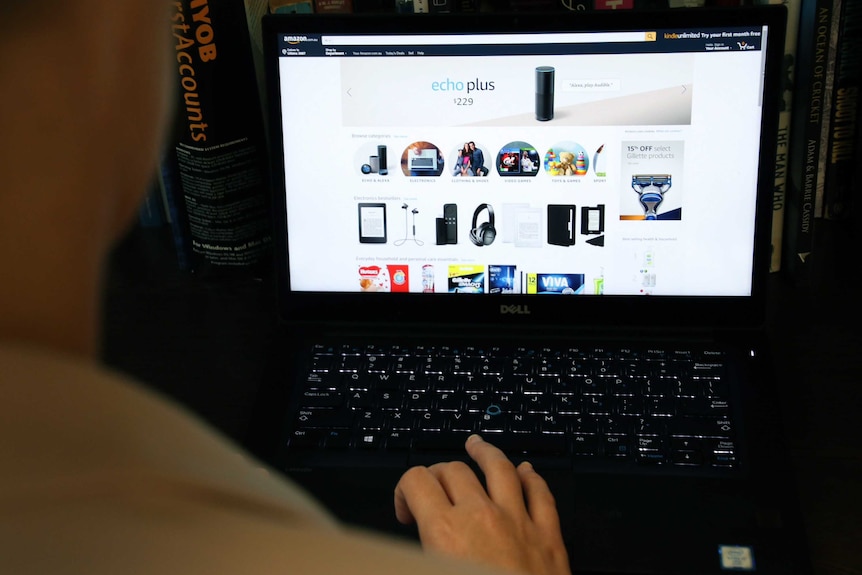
638, 407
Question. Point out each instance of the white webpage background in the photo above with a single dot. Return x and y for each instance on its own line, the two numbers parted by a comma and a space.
707, 252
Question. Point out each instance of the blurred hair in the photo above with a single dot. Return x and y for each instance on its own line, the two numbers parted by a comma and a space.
21, 14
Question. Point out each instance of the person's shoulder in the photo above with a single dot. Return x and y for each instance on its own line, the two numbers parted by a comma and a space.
98, 473
66, 418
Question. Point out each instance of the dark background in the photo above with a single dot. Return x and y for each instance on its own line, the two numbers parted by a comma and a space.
210, 343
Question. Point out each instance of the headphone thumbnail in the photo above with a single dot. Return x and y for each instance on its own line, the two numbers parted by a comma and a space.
484, 234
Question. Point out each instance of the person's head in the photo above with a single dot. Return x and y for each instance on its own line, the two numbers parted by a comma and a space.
84, 102
84, 85
472, 145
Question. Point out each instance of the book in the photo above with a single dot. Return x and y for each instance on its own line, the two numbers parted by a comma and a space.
373, 6
549, 5
810, 64
826, 108
152, 211
333, 6
215, 170
467, 6
844, 115
441, 6
854, 214
410, 7
291, 6
779, 191
169, 181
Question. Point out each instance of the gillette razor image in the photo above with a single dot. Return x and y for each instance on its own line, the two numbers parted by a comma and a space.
651, 189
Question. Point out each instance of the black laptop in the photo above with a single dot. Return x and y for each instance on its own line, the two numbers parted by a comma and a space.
550, 229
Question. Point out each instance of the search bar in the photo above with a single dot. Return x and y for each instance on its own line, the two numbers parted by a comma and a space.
474, 39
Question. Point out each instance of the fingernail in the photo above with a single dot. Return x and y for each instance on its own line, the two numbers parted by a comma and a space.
527, 465
474, 437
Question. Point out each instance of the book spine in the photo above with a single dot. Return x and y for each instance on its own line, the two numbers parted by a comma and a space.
827, 109
374, 6
291, 6
812, 53
844, 114
218, 176
549, 5
854, 178
170, 187
151, 213
779, 192
441, 6
333, 6
404, 7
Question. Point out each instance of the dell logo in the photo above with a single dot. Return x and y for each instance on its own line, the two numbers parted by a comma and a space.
516, 309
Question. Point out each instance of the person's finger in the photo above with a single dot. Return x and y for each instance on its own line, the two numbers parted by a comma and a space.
458, 481
419, 494
503, 483
541, 505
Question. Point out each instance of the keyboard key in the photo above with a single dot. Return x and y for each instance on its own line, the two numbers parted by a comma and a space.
350, 364
650, 443
615, 446
336, 439
322, 363
321, 398
492, 423
659, 406
447, 401
520, 423
324, 381
390, 400
549, 424
532, 445
370, 420
405, 364
398, 441
700, 427
585, 424
702, 406
324, 419
649, 426
584, 444
446, 441
368, 440
418, 401
686, 444
431, 421
650, 457
597, 405
304, 439
360, 399
692, 458
567, 405
539, 403
400, 420
464, 422
377, 364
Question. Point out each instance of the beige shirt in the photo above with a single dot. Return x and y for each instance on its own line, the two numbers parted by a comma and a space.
100, 476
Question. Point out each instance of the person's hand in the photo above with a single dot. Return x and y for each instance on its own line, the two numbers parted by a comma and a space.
513, 525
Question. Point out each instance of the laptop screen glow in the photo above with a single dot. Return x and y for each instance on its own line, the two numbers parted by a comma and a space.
620, 162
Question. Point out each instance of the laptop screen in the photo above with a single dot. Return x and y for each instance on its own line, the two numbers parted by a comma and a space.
614, 161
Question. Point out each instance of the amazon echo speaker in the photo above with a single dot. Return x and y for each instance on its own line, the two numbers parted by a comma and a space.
544, 93
382, 167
